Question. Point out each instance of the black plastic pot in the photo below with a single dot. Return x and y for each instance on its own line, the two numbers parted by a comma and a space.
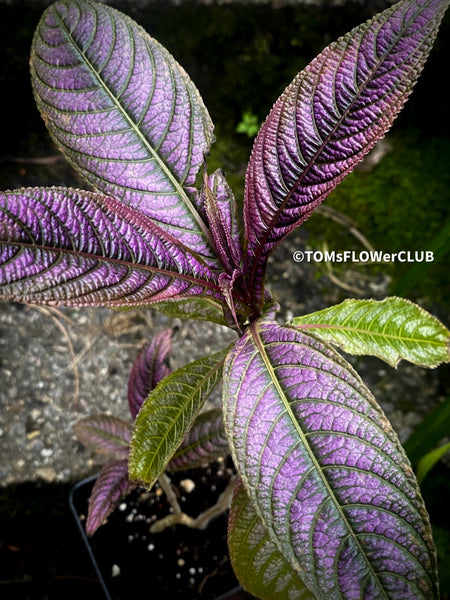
192, 563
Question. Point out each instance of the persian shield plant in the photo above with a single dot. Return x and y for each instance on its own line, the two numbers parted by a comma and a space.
326, 504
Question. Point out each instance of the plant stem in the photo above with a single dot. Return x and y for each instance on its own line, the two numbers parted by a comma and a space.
165, 483
202, 520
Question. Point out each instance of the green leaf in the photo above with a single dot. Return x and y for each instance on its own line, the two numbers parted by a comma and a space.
426, 436
261, 569
168, 414
204, 309
429, 460
391, 329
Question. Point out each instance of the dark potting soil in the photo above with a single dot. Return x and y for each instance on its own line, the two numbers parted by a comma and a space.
178, 561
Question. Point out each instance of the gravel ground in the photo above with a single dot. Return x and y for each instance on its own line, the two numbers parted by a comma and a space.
59, 365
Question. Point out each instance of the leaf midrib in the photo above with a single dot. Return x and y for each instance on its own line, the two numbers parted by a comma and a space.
201, 381
259, 249
286, 404
366, 332
128, 264
134, 127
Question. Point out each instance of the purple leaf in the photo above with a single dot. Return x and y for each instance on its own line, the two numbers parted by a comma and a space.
110, 487
222, 218
65, 246
324, 470
221, 212
148, 370
328, 118
124, 113
205, 442
104, 434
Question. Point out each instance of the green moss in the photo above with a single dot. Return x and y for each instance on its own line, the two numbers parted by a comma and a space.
401, 204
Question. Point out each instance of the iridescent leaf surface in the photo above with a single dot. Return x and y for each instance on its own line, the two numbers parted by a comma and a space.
205, 442
391, 329
168, 414
218, 184
124, 113
328, 118
104, 434
324, 470
258, 564
148, 369
66, 246
110, 487
221, 212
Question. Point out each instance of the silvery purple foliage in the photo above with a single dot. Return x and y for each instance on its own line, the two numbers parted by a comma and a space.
324, 470
223, 197
149, 368
124, 113
111, 485
221, 211
258, 564
333, 507
98, 250
328, 118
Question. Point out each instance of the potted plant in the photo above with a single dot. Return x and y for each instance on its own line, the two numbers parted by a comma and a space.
325, 503
193, 560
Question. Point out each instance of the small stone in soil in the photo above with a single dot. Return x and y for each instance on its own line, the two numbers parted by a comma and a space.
187, 485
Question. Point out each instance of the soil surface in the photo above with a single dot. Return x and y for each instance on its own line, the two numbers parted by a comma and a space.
177, 561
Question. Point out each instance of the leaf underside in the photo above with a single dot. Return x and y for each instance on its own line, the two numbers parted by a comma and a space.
328, 118
391, 329
324, 470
